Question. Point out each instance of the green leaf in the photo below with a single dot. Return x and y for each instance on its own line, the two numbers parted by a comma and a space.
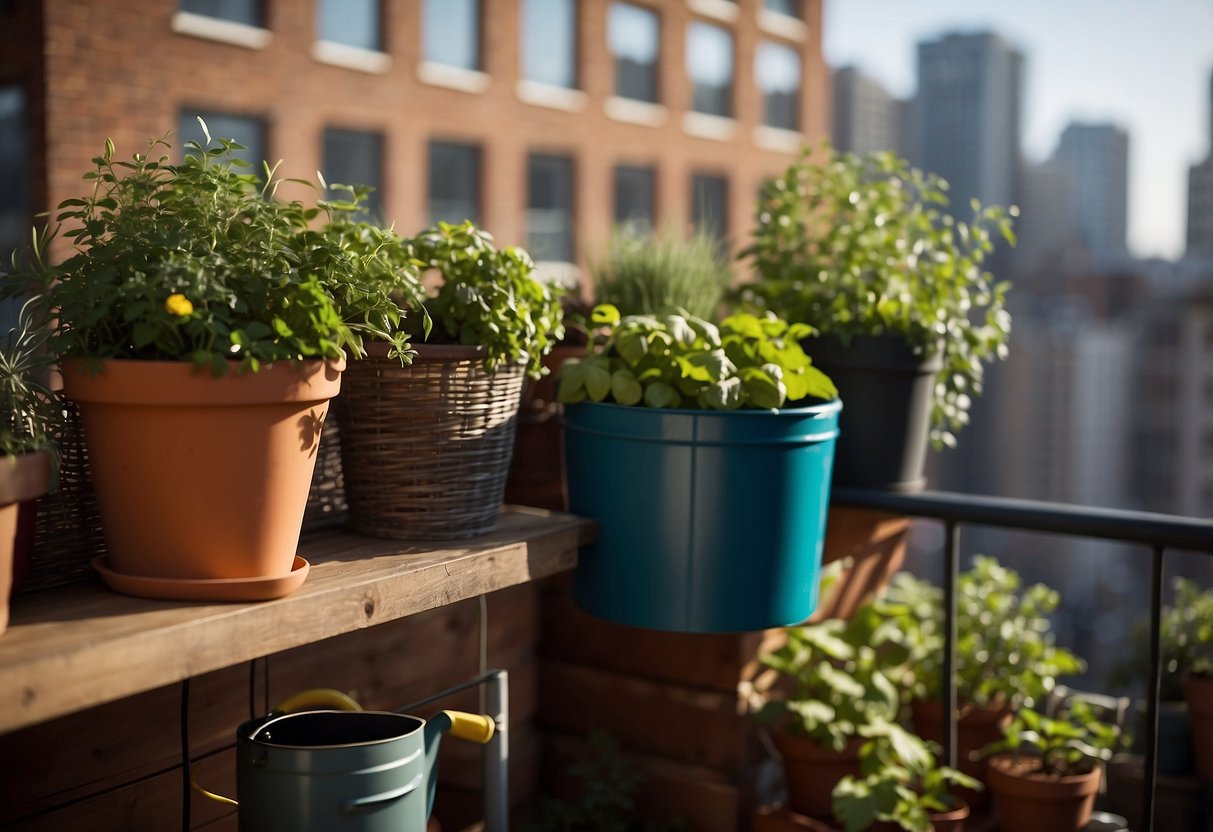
597, 382
625, 389
660, 394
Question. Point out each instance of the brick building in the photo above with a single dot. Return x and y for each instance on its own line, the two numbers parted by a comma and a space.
546, 120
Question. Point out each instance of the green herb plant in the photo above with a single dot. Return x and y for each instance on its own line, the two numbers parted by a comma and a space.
676, 360
864, 246
31, 417
901, 784
1073, 743
197, 261
642, 274
489, 297
1186, 640
1005, 650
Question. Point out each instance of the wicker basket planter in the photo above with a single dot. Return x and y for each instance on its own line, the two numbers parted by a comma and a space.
425, 448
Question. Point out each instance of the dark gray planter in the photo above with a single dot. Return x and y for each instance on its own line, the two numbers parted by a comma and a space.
886, 390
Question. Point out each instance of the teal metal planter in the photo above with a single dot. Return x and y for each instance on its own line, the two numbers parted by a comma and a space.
708, 521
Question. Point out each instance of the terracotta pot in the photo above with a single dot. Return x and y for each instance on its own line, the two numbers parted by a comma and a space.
1028, 800
950, 821
875, 543
22, 478
537, 466
1198, 691
976, 727
812, 770
198, 476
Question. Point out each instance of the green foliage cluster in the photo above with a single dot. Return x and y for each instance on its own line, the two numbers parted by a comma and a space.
676, 360
200, 262
1186, 640
642, 274
31, 417
840, 671
1073, 743
863, 246
489, 297
608, 795
1005, 650
901, 783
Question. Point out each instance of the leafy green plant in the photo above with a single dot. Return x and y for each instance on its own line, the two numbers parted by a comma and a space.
1186, 640
901, 784
641, 273
863, 246
677, 360
30, 414
841, 688
608, 795
197, 261
1005, 650
1073, 743
489, 297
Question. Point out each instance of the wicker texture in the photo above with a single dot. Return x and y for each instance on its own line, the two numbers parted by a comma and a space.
326, 504
426, 448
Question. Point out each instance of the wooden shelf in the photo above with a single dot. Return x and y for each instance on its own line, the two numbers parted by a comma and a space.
69, 650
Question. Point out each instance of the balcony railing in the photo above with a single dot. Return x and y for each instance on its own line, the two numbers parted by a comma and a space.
1157, 533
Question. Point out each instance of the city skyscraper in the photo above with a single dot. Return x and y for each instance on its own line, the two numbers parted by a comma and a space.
1095, 159
1200, 197
967, 125
867, 117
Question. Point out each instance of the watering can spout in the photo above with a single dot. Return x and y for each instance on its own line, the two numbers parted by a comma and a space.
472, 727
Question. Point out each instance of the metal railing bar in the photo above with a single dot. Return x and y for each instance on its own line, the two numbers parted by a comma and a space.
950, 576
1154, 689
1153, 529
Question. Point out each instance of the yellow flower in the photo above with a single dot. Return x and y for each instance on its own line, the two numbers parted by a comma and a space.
178, 305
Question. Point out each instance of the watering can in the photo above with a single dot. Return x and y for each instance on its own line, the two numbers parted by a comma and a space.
341, 768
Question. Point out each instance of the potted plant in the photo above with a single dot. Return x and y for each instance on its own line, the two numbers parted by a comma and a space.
901, 788
1045, 772
840, 694
667, 422
426, 447
201, 336
862, 249
1006, 657
1190, 622
30, 417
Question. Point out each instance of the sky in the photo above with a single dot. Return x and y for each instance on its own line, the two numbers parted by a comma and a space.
1144, 65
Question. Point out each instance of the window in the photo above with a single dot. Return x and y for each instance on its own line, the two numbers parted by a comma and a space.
710, 204
549, 42
710, 68
777, 71
15, 206
452, 33
789, 7
245, 130
634, 192
454, 182
634, 40
353, 158
350, 22
248, 12
549, 210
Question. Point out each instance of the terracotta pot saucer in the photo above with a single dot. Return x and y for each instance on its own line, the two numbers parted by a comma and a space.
261, 588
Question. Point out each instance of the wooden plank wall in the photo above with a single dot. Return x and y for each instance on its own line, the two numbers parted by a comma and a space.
118, 766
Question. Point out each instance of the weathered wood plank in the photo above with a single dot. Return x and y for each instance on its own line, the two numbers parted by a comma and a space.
69, 650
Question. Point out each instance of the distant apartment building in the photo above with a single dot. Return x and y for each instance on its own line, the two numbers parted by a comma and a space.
1200, 199
967, 122
1046, 238
1095, 160
867, 118
547, 121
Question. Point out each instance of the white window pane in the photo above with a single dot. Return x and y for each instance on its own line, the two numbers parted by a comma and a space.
452, 32
709, 59
549, 42
351, 22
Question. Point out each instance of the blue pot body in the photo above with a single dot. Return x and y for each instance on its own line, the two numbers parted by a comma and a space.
708, 521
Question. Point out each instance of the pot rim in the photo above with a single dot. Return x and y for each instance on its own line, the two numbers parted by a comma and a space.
825, 408
260, 724
999, 763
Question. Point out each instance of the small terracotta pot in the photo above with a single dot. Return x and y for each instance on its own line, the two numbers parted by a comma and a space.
1198, 691
812, 771
198, 476
22, 478
1030, 801
950, 821
976, 727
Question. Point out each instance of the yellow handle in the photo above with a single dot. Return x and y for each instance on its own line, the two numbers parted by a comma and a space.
472, 727
318, 698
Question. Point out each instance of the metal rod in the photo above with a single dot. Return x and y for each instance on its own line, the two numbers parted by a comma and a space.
1057, 518
442, 694
950, 575
1155, 689
496, 758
